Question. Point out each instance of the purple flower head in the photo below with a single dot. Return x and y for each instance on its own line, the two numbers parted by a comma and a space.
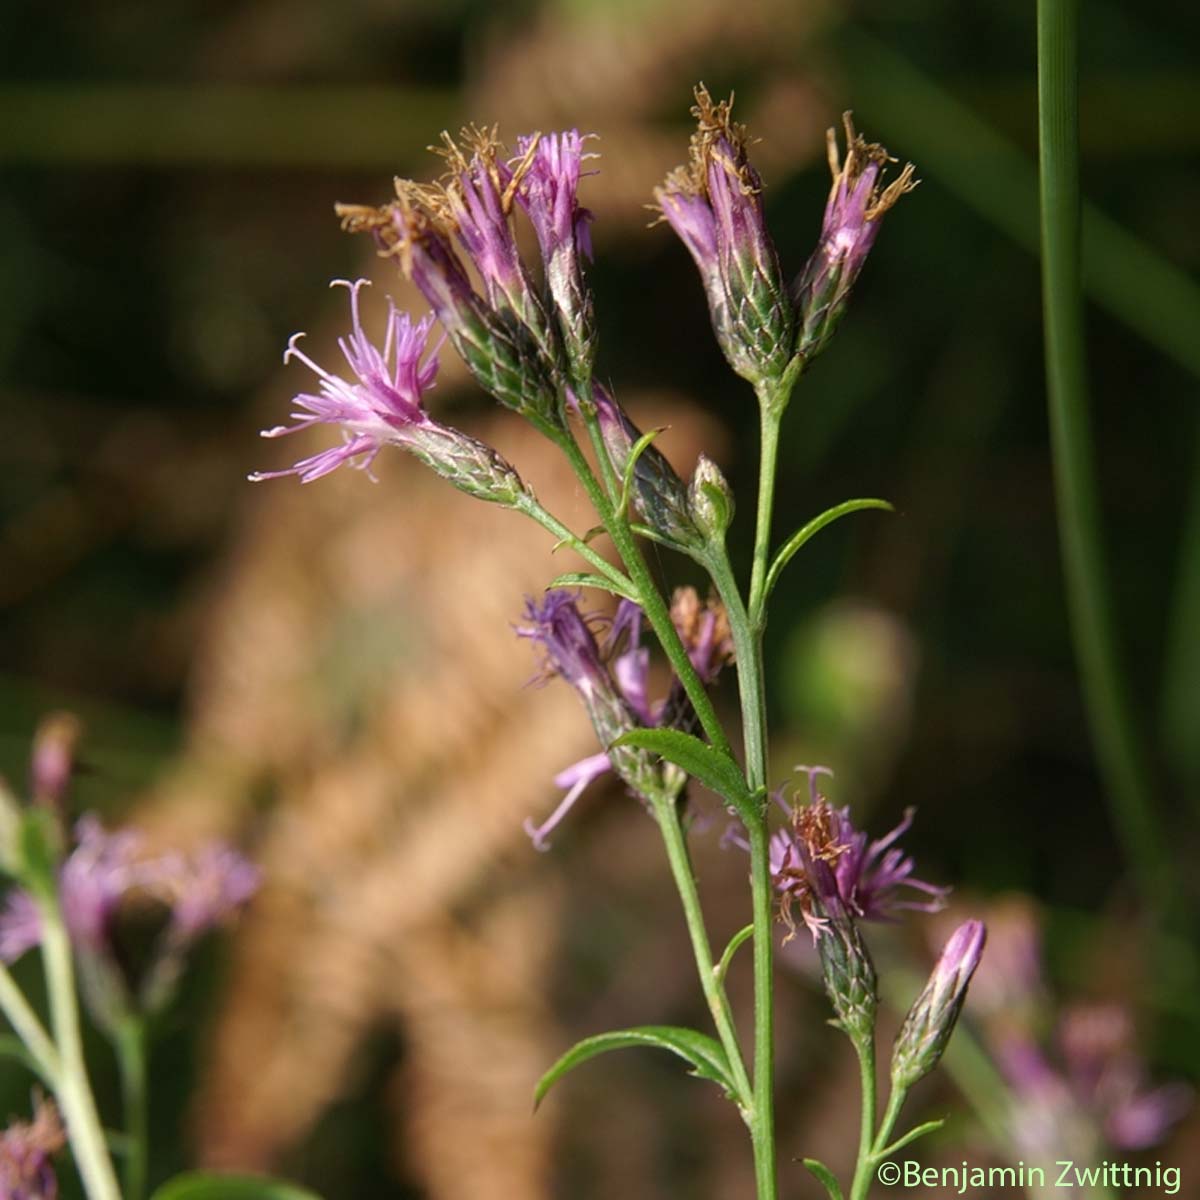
205, 889
822, 863
381, 406
568, 643
20, 925
550, 167
612, 676
476, 202
513, 357
714, 204
26, 1150
95, 878
53, 759
857, 202
1109, 1078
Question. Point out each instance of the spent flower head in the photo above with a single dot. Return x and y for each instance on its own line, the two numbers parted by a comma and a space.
822, 861
384, 405
714, 204
857, 202
27, 1149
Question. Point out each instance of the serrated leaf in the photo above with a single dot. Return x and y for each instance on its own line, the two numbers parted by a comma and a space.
211, 1185
713, 768
703, 1052
586, 579
826, 1176
805, 532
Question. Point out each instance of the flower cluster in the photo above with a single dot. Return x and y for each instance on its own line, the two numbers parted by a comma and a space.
714, 204
611, 675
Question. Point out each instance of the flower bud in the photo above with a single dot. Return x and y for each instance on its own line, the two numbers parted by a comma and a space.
849, 974
710, 500
930, 1022
856, 204
53, 758
660, 497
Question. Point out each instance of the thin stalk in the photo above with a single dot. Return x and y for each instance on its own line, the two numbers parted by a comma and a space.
548, 521
73, 1090
865, 1170
767, 466
27, 1026
130, 1045
1110, 713
718, 1003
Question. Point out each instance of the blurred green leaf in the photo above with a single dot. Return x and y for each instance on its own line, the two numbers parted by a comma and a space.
703, 1052
205, 1185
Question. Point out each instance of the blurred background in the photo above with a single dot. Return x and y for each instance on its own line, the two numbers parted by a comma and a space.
327, 674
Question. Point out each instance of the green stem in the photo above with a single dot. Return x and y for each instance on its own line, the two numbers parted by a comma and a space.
1110, 713
769, 426
28, 1028
73, 1090
652, 602
718, 1003
548, 521
865, 1170
130, 1044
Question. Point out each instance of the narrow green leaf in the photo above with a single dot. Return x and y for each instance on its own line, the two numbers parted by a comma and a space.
712, 767
588, 580
210, 1185
815, 526
911, 1136
826, 1176
636, 452
39, 852
738, 938
703, 1052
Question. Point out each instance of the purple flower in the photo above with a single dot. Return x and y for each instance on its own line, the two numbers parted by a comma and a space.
205, 888
380, 407
476, 202
20, 925
384, 406
548, 191
857, 202
1109, 1078
823, 862
26, 1148
512, 357
714, 204
612, 676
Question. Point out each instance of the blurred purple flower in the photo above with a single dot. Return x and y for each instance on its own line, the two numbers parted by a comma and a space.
205, 888
26, 1148
379, 408
20, 925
